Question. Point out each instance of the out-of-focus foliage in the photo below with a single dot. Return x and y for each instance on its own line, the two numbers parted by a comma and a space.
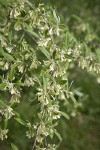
53, 42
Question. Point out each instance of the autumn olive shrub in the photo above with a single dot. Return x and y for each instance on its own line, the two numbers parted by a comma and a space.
36, 51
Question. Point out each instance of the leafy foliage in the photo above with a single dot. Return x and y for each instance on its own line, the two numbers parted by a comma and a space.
37, 50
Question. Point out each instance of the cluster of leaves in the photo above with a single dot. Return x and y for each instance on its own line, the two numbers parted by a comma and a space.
36, 51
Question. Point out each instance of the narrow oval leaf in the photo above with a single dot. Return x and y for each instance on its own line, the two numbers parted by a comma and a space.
20, 121
55, 16
12, 71
45, 52
2, 104
3, 86
44, 84
6, 55
34, 102
58, 136
14, 147
64, 115
29, 30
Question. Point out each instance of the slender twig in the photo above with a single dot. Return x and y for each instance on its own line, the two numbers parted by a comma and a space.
22, 36
23, 73
45, 142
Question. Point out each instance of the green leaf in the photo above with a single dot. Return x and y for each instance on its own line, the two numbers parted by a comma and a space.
62, 82
73, 99
2, 104
55, 16
12, 71
29, 30
34, 102
2, 86
64, 115
77, 18
17, 114
20, 121
14, 147
19, 83
2, 37
45, 52
44, 83
51, 135
58, 136
6, 55
17, 24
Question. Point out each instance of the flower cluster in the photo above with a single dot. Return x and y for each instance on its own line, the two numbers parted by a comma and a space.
3, 134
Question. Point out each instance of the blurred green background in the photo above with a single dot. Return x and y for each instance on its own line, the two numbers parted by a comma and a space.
82, 131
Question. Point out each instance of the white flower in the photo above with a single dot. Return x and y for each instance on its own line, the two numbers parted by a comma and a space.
70, 51
21, 68
39, 139
51, 31
6, 66
34, 64
9, 49
22, 5
3, 134
52, 67
30, 134
16, 13
31, 13
15, 98
29, 81
55, 117
12, 89
7, 112
54, 112
42, 129
58, 89
18, 27
43, 42
27, 56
